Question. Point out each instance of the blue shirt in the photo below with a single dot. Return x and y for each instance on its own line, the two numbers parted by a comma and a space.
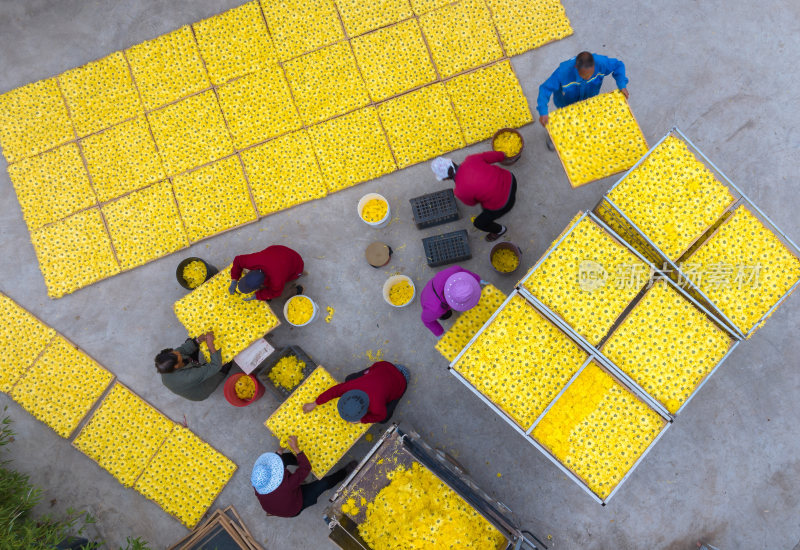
567, 87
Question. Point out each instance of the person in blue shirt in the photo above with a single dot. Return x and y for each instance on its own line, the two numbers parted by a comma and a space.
577, 79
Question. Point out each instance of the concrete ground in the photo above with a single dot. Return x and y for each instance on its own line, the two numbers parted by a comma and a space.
727, 471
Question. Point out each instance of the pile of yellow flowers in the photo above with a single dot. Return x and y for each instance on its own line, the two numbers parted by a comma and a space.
74, 252
194, 273
672, 197
185, 476
591, 311
214, 198
190, 132
357, 135
122, 159
374, 210
401, 293
596, 137
487, 99
469, 322
360, 17
100, 93
61, 386
527, 24
22, 337
245, 388
283, 173
51, 186
259, 106
123, 434
743, 268
326, 83
509, 143
287, 373
461, 36
167, 68
33, 118
321, 434
520, 361
417, 511
299, 310
505, 260
145, 225
598, 429
393, 59
236, 324
421, 124
667, 346
350, 507
234, 43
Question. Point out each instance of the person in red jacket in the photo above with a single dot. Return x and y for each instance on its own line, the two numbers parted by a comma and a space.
269, 271
479, 181
369, 395
282, 493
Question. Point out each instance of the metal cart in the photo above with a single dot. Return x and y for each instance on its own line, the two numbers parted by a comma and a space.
396, 448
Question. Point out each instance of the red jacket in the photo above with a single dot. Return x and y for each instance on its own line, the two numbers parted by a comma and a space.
479, 181
382, 382
287, 500
280, 265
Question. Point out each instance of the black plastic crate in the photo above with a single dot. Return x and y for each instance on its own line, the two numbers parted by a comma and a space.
434, 208
272, 360
447, 248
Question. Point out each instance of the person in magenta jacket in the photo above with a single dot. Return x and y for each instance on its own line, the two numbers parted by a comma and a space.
369, 395
282, 493
452, 288
479, 181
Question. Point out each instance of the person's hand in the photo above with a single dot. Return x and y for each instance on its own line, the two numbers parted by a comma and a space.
293, 444
208, 336
624, 92
253, 297
308, 407
484, 283
200, 338
232, 288
544, 119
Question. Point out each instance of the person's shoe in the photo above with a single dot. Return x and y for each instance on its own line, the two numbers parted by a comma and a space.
299, 290
491, 237
549, 143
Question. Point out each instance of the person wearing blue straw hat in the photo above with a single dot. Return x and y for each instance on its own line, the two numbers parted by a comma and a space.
282, 493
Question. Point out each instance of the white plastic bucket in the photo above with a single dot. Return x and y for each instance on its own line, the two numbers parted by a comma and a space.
391, 281
313, 314
368, 197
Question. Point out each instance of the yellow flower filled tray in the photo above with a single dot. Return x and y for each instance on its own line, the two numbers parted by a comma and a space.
597, 430
669, 345
672, 196
519, 361
322, 434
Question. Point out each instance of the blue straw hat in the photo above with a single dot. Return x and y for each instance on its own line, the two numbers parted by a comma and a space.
267, 473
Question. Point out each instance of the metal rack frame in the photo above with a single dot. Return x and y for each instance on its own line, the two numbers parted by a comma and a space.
593, 355
607, 207
404, 448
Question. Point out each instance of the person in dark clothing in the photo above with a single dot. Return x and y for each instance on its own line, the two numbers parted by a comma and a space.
369, 395
282, 493
184, 375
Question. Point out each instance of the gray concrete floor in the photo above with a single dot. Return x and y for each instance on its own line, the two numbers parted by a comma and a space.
727, 471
